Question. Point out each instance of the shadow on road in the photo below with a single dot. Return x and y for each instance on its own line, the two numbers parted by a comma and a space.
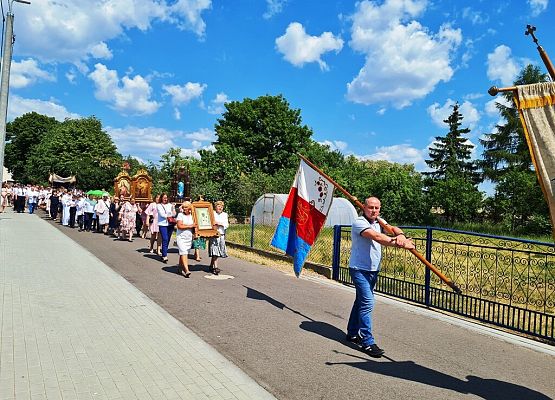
489, 389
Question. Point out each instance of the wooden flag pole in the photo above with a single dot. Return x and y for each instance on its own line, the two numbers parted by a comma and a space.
387, 228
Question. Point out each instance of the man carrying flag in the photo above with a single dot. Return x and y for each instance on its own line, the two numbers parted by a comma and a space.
304, 214
364, 265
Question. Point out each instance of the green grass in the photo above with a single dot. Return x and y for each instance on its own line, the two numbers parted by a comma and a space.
500, 270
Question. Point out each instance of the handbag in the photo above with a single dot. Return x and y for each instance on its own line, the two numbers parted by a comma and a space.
172, 220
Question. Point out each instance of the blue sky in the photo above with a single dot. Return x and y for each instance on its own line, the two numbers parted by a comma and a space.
372, 78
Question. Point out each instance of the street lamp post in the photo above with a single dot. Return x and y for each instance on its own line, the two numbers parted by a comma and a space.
5, 80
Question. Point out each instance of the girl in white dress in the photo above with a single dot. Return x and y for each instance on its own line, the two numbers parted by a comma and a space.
216, 245
185, 232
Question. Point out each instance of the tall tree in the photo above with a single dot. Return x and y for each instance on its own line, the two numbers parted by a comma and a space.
77, 147
506, 149
518, 198
451, 155
453, 182
265, 131
23, 135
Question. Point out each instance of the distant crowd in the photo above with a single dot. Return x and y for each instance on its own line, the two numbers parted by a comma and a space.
124, 218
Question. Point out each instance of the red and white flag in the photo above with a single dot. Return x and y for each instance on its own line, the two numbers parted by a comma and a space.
304, 215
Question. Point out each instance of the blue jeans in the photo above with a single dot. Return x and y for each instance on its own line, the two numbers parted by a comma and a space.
166, 233
32, 207
360, 321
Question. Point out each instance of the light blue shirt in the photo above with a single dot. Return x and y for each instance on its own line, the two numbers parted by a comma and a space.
366, 253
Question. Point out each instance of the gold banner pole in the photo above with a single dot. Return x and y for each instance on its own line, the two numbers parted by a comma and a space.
494, 90
545, 58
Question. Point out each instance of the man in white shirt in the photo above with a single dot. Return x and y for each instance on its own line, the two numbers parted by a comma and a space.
21, 199
32, 198
80, 211
66, 203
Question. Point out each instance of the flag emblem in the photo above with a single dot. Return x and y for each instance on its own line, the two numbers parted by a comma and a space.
305, 213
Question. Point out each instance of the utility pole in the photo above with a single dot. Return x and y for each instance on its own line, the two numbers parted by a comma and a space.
5, 80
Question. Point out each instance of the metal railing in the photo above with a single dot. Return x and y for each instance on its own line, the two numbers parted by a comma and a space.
506, 282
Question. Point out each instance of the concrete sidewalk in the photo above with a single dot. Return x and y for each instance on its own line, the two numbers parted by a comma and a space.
73, 325
72, 328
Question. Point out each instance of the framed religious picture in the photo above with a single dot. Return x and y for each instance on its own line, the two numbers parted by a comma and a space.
203, 215
142, 187
122, 185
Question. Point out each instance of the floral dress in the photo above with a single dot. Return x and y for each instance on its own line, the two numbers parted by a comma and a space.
152, 211
128, 214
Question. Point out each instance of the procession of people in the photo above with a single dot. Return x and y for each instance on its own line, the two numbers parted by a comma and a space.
126, 219
155, 222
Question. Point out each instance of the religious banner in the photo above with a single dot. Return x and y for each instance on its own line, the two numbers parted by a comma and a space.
536, 106
141, 188
53, 178
304, 214
122, 185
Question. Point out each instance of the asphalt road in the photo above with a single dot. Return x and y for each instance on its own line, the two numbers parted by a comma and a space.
287, 333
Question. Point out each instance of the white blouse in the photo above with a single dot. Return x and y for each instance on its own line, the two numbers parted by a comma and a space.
222, 221
164, 211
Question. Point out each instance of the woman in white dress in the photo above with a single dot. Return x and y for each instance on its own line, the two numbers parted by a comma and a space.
102, 209
3, 198
216, 245
185, 232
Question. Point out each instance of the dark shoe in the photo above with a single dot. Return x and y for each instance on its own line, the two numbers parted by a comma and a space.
356, 339
165, 260
373, 351
187, 275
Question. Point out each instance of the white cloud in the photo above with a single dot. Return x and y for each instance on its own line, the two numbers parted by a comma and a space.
19, 106
300, 48
148, 142
100, 50
491, 106
273, 7
404, 60
176, 113
502, 67
128, 96
184, 94
151, 142
187, 15
217, 104
399, 153
71, 76
202, 135
335, 145
76, 30
538, 6
474, 16
470, 114
26, 73
473, 96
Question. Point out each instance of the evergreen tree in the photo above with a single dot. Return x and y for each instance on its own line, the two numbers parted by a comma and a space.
451, 155
506, 149
453, 182
518, 201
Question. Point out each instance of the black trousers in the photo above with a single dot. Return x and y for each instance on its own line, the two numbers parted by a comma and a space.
88, 221
20, 204
72, 211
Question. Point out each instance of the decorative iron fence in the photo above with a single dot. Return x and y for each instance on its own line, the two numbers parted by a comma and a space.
505, 282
